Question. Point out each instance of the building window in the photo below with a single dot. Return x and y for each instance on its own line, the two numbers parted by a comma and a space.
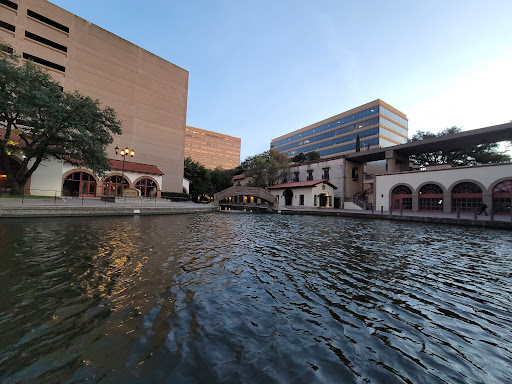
502, 197
402, 198
296, 176
44, 62
79, 184
301, 199
47, 21
431, 198
7, 26
114, 186
325, 176
147, 187
310, 175
9, 4
45, 41
466, 196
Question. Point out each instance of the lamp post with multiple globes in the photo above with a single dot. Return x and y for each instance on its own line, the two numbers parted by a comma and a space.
124, 152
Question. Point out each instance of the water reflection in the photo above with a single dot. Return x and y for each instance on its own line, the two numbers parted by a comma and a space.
253, 298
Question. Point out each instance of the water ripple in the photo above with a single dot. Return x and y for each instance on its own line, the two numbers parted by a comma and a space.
248, 298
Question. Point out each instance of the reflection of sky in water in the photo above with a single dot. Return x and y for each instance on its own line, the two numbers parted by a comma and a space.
253, 298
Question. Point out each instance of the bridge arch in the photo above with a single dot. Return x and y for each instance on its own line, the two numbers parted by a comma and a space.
245, 197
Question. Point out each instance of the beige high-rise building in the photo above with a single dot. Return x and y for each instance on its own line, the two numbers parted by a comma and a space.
148, 93
212, 149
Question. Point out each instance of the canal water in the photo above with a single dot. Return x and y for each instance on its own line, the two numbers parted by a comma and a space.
252, 298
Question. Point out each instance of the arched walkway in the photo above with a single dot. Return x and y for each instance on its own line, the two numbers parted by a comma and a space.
431, 198
401, 198
146, 186
502, 197
288, 197
466, 197
115, 185
79, 183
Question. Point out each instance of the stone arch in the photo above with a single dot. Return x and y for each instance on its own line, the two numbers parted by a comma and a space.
115, 188
288, 197
81, 184
502, 198
149, 178
431, 196
469, 200
401, 201
482, 187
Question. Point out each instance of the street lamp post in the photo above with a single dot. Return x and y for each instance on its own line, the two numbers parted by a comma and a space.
124, 152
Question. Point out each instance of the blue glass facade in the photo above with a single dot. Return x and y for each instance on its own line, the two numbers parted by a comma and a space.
374, 130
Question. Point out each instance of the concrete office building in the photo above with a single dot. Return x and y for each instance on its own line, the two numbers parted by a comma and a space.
148, 93
377, 123
212, 149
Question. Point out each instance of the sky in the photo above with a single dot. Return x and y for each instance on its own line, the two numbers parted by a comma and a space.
259, 69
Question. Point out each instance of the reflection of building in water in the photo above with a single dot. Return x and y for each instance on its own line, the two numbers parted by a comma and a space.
212, 149
148, 93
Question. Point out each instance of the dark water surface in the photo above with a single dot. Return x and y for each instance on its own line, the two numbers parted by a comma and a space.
253, 299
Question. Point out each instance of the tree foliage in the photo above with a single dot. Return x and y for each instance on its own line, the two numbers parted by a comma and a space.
305, 157
206, 182
358, 143
38, 121
265, 169
480, 154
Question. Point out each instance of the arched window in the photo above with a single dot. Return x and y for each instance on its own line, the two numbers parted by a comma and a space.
466, 197
431, 198
147, 187
114, 186
502, 197
401, 198
79, 184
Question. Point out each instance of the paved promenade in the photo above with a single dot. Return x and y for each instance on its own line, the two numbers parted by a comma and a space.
41, 207
44, 207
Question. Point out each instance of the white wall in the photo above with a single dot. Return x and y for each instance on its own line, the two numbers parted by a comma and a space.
484, 175
47, 178
309, 195
335, 173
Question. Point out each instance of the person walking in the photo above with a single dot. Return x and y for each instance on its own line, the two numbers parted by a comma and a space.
483, 208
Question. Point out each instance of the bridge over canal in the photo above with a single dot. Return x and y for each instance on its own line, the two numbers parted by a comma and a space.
247, 198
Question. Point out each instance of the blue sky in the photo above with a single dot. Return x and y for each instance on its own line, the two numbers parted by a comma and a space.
260, 69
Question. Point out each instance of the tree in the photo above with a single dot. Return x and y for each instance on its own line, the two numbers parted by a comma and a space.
358, 143
199, 176
39, 121
302, 157
266, 169
221, 179
480, 154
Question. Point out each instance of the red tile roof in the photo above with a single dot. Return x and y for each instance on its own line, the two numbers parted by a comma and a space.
114, 164
236, 177
301, 184
14, 137
135, 167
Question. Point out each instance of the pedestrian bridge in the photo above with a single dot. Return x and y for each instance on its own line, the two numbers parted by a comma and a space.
247, 198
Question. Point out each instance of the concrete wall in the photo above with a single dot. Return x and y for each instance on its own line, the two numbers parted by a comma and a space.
486, 176
148, 93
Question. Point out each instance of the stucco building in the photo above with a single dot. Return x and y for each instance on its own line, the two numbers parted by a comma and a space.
148, 93
377, 124
212, 149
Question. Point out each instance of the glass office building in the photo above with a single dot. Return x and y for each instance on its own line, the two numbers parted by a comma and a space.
378, 125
